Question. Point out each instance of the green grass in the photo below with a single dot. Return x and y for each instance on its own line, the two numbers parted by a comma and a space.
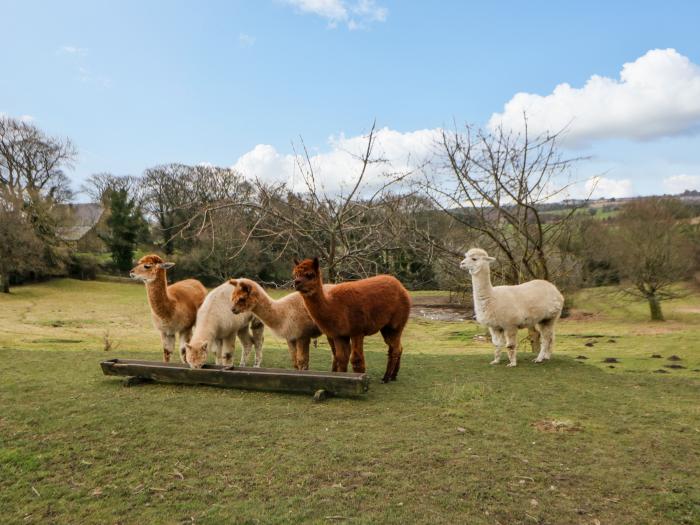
453, 441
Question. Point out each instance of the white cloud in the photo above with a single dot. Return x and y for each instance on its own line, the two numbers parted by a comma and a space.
656, 95
680, 183
336, 168
599, 187
355, 14
246, 40
73, 50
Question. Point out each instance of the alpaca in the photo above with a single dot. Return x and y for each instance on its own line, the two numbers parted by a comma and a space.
349, 311
286, 317
217, 328
503, 309
174, 307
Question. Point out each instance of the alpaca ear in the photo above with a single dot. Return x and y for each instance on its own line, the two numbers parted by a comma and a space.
188, 346
296, 261
490, 259
316, 264
166, 265
233, 282
244, 287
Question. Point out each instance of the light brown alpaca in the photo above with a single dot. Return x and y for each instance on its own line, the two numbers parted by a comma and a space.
286, 317
174, 307
350, 311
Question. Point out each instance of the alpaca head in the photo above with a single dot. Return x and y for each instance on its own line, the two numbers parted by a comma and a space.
244, 297
148, 267
476, 260
196, 353
307, 275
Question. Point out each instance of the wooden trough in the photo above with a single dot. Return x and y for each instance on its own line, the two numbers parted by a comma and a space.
320, 384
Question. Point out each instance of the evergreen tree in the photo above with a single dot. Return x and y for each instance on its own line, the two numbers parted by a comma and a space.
126, 225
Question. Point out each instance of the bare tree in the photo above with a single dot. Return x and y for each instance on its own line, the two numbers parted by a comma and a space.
99, 185
496, 184
650, 249
32, 163
352, 228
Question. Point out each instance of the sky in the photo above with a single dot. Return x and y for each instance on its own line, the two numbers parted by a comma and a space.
241, 83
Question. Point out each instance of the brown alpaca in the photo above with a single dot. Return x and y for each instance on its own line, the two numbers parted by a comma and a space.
350, 311
174, 307
286, 317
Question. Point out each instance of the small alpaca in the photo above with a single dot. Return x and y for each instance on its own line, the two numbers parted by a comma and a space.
174, 307
350, 311
286, 317
217, 328
503, 309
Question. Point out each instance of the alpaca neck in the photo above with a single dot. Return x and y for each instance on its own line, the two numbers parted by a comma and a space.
481, 286
161, 304
316, 301
269, 310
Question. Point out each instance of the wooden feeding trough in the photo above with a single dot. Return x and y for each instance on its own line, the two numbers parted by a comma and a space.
320, 384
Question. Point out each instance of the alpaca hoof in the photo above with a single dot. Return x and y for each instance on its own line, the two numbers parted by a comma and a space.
385, 380
495, 362
512, 364
538, 360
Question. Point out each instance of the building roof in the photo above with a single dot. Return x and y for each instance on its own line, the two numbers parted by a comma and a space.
78, 219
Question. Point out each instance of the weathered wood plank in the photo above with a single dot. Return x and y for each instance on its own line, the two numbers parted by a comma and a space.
265, 379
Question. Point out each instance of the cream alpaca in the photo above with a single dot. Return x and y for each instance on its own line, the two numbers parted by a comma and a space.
174, 307
503, 309
286, 317
217, 328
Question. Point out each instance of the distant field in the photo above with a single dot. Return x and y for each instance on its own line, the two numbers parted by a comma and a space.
452, 441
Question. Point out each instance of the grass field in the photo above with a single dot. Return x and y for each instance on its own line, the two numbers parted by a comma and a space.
452, 441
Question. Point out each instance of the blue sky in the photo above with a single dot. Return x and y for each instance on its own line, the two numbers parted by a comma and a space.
233, 83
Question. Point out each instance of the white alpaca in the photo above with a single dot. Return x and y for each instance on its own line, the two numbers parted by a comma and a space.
503, 309
217, 327
286, 317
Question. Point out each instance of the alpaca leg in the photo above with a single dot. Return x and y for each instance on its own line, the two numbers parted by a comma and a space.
393, 363
292, 348
541, 343
185, 337
533, 333
168, 341
498, 340
357, 354
302, 345
512, 345
246, 342
547, 338
258, 329
342, 353
227, 346
217, 350
331, 343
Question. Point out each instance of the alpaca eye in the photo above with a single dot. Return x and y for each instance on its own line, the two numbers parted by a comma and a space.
309, 276
147, 266
473, 258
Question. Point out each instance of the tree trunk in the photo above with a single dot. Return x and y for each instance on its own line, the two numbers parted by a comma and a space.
655, 308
